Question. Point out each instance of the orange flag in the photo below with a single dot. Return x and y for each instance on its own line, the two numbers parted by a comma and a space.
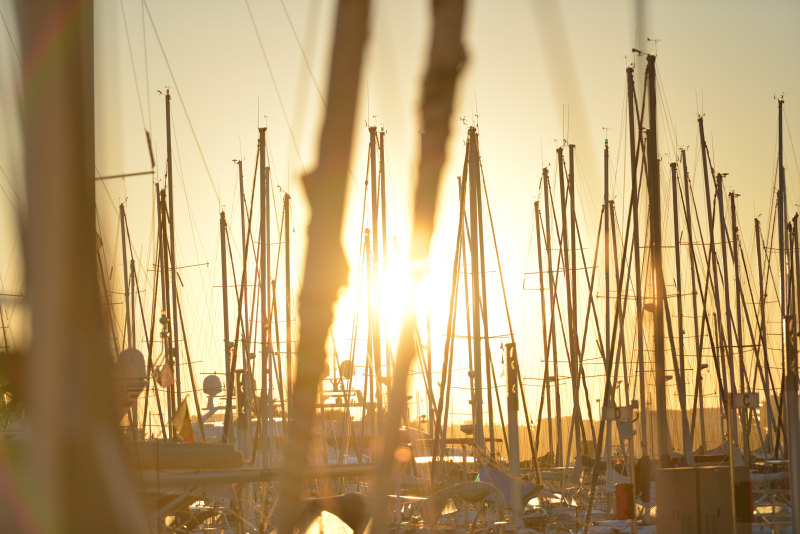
182, 422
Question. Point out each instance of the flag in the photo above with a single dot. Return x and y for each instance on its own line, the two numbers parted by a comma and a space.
182, 422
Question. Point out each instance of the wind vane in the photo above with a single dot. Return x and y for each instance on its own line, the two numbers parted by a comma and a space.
655, 41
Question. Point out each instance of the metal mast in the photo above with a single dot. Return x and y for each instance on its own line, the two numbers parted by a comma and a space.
559, 452
288, 273
654, 196
171, 245
698, 340
374, 319
264, 279
223, 234
474, 185
633, 133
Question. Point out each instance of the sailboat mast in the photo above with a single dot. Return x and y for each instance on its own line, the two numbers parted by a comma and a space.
132, 289
545, 397
559, 456
481, 298
384, 256
687, 199
264, 279
687, 437
791, 380
762, 297
374, 318
223, 234
575, 352
606, 260
739, 298
654, 196
474, 180
128, 335
288, 275
245, 245
574, 374
166, 326
608, 366
782, 219
171, 247
634, 134
727, 346
712, 266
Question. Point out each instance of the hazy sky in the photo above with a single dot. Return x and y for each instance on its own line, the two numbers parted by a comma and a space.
536, 72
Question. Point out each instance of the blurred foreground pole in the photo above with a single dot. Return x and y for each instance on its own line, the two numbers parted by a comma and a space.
80, 480
326, 268
444, 63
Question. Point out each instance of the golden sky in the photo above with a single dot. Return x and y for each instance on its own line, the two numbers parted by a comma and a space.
537, 72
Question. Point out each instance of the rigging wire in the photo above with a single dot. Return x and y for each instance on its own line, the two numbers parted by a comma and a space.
15, 202
10, 38
303, 52
183, 104
146, 69
794, 153
198, 248
275, 86
133, 66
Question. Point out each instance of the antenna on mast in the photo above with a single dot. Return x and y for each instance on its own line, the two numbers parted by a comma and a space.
655, 43
541, 151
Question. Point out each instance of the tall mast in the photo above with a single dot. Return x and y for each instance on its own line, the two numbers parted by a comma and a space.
654, 196
572, 273
727, 346
223, 234
687, 437
245, 245
634, 134
574, 375
481, 297
128, 334
739, 298
474, 185
384, 256
608, 364
133, 302
369, 374
698, 340
545, 341
791, 380
618, 334
264, 279
171, 247
166, 325
782, 216
762, 297
376, 309
288, 274
609, 353
559, 452
788, 345
712, 261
